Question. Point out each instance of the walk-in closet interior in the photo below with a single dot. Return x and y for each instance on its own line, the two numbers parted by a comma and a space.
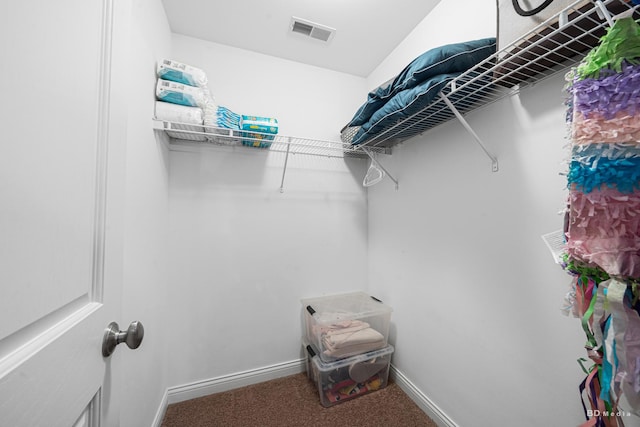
109, 214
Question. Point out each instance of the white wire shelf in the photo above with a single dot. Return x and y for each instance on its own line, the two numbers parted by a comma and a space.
190, 134
553, 46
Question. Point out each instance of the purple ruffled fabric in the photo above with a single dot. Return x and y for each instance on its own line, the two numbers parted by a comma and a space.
611, 93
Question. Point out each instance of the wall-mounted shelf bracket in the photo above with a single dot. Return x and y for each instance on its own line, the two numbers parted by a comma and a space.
454, 110
377, 163
603, 13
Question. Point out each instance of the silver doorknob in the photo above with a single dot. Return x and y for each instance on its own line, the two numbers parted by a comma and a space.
114, 336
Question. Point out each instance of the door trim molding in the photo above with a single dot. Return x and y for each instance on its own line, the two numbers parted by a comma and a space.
102, 150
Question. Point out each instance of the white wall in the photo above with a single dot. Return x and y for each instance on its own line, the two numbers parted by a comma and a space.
146, 283
457, 253
308, 101
449, 22
242, 253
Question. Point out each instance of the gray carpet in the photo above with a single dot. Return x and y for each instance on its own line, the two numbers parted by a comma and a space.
293, 401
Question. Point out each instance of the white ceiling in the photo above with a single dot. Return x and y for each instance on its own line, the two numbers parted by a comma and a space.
366, 30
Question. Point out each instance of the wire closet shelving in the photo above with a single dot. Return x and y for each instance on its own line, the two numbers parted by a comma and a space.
553, 46
190, 134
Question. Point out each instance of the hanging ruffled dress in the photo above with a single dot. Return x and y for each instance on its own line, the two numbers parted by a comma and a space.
603, 221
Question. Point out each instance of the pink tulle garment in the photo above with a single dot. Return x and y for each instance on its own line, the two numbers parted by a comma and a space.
596, 128
604, 230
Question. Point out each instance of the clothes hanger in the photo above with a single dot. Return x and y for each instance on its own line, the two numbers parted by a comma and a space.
374, 174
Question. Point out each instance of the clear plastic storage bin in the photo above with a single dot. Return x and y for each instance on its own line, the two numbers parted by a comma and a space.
344, 325
348, 378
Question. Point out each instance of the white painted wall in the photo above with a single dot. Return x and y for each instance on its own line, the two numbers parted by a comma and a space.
146, 284
242, 253
308, 101
457, 253
449, 22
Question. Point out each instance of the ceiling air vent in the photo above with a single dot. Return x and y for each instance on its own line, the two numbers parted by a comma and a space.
311, 29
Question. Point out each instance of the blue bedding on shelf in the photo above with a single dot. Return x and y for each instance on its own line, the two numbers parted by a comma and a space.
417, 85
402, 105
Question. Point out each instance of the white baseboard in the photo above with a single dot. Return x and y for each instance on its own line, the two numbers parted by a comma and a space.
236, 380
426, 404
157, 421
240, 379
227, 382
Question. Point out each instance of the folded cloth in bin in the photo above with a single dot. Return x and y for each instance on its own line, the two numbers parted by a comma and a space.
347, 327
351, 337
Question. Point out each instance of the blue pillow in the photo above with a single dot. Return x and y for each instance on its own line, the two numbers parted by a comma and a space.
451, 58
366, 110
402, 105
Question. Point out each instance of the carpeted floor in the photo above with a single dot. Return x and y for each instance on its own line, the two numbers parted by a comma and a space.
293, 401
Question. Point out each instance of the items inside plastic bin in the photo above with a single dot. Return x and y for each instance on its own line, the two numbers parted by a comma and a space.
344, 325
348, 378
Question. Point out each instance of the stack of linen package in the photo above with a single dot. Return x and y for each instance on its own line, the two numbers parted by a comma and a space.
184, 99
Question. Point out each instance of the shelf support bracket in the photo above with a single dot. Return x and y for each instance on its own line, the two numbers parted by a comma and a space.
368, 152
454, 110
604, 13
284, 170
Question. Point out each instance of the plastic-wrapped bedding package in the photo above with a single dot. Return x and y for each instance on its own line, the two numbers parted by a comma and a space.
217, 118
259, 124
262, 130
181, 94
181, 73
185, 87
225, 118
603, 221
178, 113
184, 118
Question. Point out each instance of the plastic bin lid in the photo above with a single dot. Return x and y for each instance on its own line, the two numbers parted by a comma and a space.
353, 305
340, 363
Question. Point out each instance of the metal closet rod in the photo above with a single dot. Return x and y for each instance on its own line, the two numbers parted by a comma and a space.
364, 149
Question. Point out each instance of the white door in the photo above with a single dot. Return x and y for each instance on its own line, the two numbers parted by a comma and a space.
60, 205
